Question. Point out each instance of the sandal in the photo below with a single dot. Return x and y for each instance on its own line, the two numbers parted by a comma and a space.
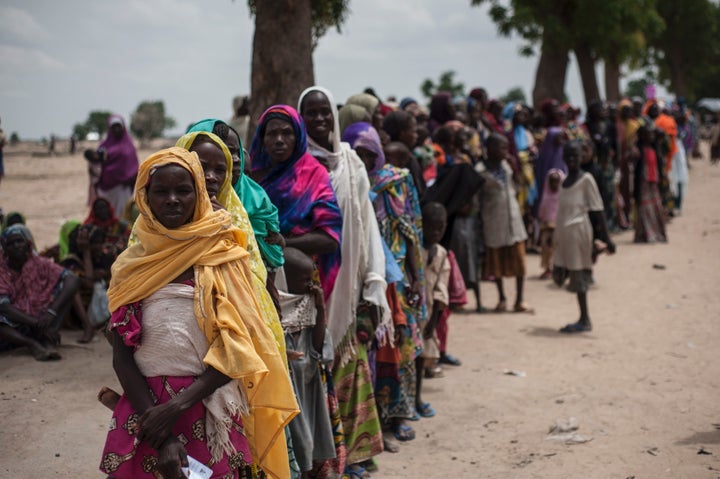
576, 328
449, 359
403, 433
357, 471
482, 309
425, 410
501, 307
436, 372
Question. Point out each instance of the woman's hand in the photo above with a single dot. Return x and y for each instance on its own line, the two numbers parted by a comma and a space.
399, 335
172, 457
157, 423
275, 238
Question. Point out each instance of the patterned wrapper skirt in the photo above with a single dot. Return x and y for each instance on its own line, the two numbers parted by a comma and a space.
124, 458
506, 261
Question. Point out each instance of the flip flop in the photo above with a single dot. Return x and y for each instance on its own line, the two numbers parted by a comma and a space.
415, 417
575, 328
449, 359
357, 471
425, 410
404, 433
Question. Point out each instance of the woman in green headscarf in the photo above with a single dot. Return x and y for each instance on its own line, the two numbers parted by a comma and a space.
263, 214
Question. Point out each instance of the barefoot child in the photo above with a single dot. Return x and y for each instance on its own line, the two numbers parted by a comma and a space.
308, 347
503, 228
547, 215
437, 276
580, 219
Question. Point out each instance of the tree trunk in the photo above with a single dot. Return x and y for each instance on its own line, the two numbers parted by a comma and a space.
586, 64
282, 64
550, 73
678, 77
612, 81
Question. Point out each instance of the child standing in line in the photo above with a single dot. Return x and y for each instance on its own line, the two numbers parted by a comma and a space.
503, 229
580, 220
437, 297
309, 348
547, 214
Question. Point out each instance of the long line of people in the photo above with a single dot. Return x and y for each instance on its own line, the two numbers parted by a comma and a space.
276, 316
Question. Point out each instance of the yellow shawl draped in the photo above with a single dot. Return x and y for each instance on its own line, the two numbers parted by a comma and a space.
240, 344
229, 199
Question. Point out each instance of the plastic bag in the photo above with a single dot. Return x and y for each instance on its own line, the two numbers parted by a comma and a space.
98, 312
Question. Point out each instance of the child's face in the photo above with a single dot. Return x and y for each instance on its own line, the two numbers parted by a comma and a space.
299, 280
571, 155
434, 229
587, 153
498, 151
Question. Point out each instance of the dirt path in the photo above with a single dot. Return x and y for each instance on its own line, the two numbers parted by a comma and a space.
644, 386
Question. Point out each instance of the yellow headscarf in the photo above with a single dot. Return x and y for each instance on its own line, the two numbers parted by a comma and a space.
229, 199
240, 344
226, 196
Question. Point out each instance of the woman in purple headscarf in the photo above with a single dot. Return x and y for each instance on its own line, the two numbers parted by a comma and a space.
119, 167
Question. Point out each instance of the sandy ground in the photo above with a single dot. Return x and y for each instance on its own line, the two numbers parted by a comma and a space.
644, 386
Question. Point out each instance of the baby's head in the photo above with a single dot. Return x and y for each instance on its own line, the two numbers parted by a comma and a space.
92, 156
397, 154
434, 219
298, 271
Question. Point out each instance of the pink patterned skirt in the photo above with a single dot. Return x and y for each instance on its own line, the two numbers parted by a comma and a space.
123, 458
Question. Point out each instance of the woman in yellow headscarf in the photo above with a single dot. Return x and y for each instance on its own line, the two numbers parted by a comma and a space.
215, 157
201, 371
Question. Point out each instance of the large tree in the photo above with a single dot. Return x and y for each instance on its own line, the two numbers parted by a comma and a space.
612, 30
686, 50
547, 23
286, 32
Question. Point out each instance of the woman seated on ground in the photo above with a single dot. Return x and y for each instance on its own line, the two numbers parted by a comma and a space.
88, 259
117, 231
185, 397
35, 294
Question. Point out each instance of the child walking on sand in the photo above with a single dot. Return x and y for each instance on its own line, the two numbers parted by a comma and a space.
580, 220
503, 228
547, 214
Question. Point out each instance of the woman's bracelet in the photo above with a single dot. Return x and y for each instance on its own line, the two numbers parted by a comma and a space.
52, 312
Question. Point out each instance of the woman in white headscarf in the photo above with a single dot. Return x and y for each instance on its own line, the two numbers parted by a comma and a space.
357, 308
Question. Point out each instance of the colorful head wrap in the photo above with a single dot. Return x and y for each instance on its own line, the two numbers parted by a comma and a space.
300, 187
363, 135
262, 213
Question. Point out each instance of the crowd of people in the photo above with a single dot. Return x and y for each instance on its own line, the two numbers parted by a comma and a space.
274, 311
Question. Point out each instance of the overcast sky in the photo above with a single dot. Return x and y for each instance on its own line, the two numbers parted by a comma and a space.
62, 59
